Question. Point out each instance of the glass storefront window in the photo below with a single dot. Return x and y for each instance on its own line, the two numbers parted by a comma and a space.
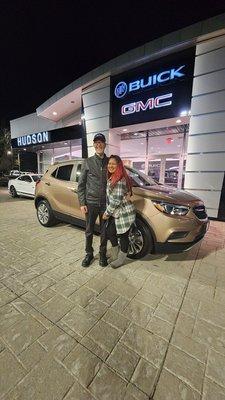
62, 153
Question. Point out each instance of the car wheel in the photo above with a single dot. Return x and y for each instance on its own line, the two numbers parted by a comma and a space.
140, 240
45, 214
13, 191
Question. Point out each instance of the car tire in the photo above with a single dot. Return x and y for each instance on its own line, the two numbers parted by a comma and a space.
13, 191
45, 214
141, 240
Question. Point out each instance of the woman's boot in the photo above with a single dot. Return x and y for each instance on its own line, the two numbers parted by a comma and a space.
114, 254
119, 261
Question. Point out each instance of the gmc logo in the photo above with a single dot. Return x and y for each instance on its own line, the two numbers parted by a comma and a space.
157, 102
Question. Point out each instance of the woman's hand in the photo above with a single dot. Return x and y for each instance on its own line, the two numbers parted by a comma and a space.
105, 216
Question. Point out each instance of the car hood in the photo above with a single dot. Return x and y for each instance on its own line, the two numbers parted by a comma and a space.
161, 192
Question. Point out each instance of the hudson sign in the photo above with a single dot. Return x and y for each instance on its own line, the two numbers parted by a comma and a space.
157, 90
35, 138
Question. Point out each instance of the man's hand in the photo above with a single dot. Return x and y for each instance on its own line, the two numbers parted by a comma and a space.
84, 209
105, 216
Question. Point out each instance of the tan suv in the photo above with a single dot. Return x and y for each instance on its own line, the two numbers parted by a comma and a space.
168, 220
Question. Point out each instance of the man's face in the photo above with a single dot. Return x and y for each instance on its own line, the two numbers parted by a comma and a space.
99, 147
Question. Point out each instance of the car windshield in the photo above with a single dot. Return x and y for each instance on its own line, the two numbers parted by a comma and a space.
36, 177
139, 179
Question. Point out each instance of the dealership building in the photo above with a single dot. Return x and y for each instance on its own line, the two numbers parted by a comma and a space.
161, 107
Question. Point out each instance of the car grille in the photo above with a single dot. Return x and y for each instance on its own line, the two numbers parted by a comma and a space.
200, 212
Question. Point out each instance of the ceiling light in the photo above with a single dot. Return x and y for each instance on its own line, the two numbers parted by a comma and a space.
125, 130
178, 121
54, 113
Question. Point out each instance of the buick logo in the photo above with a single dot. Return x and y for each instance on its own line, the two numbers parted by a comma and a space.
120, 89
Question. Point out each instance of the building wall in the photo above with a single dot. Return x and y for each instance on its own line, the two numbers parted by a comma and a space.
206, 144
31, 123
96, 102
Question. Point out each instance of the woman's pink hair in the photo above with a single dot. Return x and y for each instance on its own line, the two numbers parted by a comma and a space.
119, 174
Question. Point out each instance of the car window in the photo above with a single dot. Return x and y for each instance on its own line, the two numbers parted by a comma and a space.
139, 179
64, 172
78, 172
26, 178
54, 173
36, 177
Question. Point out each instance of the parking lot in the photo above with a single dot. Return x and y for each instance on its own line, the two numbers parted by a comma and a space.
152, 329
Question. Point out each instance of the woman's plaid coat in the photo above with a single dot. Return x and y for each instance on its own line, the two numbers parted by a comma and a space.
119, 207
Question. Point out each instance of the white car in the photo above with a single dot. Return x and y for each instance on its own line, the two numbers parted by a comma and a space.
24, 185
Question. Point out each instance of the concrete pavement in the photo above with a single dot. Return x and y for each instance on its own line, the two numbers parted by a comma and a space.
153, 329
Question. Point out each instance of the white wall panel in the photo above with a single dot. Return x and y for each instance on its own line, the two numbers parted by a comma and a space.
211, 199
210, 62
210, 45
206, 162
208, 181
207, 123
212, 213
98, 85
209, 83
208, 103
96, 97
97, 125
32, 124
208, 142
99, 110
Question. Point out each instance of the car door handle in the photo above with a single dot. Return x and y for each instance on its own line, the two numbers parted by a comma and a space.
48, 183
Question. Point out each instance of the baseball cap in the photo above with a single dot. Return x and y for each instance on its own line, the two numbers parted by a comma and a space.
99, 136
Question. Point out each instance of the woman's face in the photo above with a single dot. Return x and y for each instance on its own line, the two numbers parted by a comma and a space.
112, 165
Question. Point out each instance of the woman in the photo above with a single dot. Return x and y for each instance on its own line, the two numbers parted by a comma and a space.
120, 212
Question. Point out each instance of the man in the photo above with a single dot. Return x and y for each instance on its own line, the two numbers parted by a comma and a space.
92, 197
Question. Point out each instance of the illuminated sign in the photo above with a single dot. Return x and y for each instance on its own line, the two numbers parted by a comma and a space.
157, 90
35, 138
157, 102
122, 87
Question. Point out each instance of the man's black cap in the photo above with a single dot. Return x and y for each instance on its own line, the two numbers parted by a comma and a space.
99, 136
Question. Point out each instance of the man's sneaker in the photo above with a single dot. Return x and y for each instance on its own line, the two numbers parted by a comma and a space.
103, 261
87, 260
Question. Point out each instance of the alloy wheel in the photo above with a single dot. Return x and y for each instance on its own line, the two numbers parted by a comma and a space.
43, 214
136, 241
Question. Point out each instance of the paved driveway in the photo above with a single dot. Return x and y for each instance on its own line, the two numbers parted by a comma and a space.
154, 328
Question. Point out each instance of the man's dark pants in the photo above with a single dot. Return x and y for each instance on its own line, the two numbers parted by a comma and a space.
91, 217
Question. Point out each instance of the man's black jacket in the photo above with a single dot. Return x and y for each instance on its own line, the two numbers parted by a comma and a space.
92, 181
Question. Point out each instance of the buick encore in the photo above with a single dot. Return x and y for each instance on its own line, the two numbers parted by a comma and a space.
168, 220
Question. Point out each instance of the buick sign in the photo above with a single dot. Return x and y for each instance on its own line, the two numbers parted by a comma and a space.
35, 138
122, 87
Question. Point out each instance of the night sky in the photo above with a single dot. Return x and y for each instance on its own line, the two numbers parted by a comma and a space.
46, 45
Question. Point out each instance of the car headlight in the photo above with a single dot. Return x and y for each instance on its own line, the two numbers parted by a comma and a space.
169, 208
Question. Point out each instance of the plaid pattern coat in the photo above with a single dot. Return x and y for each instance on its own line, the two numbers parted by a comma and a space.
119, 207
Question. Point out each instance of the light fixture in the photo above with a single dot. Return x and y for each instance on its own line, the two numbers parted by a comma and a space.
24, 149
124, 130
9, 152
178, 121
54, 113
